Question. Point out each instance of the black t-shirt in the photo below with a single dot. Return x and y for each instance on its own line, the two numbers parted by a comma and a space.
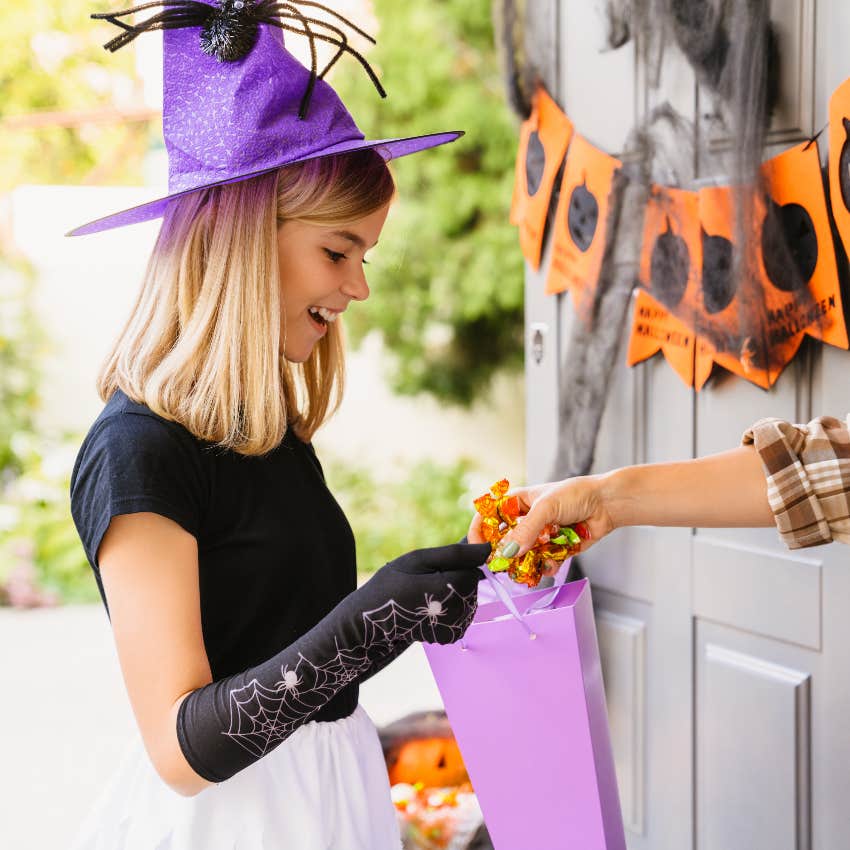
275, 551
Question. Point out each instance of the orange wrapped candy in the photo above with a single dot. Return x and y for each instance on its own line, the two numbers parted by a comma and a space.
500, 513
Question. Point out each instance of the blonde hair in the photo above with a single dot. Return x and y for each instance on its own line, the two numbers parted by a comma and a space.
202, 345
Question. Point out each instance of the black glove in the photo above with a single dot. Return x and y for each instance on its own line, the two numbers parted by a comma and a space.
426, 595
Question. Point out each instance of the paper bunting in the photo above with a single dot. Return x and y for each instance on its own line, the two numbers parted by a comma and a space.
794, 289
694, 305
754, 323
670, 269
728, 307
801, 293
544, 138
654, 329
580, 223
671, 254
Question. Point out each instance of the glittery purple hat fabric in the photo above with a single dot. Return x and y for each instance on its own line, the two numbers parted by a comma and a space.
226, 121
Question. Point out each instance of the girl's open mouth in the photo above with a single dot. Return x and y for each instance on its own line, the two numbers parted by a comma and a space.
318, 320
322, 316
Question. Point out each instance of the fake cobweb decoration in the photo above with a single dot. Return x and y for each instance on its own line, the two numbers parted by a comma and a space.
262, 717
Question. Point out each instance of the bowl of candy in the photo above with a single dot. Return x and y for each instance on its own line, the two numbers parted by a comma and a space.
436, 818
433, 798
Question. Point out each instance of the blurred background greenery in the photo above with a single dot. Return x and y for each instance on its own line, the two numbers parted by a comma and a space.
449, 307
448, 303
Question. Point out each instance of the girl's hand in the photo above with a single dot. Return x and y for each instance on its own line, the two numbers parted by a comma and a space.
565, 502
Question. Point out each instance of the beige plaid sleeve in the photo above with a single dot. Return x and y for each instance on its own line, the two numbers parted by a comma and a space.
808, 478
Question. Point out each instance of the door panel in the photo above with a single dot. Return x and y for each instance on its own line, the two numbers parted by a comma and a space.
728, 577
640, 576
831, 395
541, 311
725, 655
794, 115
729, 405
794, 23
753, 750
769, 658
622, 646
591, 76
542, 367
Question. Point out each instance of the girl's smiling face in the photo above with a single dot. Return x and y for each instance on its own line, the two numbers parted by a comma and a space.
321, 273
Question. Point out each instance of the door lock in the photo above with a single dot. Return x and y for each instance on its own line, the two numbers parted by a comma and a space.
538, 340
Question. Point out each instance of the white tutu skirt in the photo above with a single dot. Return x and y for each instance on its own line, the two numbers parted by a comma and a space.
324, 788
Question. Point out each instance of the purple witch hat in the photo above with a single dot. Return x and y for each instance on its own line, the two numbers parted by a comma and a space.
236, 103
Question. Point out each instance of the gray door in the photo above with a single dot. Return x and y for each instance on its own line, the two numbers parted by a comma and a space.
726, 656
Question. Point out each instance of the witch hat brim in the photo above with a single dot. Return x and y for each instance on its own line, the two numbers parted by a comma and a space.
387, 148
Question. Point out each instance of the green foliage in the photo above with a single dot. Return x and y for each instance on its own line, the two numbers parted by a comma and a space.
430, 507
447, 278
40, 541
40, 555
52, 61
21, 345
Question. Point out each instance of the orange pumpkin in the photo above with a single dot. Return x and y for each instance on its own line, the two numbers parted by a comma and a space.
435, 762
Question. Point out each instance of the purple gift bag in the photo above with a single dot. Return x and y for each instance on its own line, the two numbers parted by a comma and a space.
523, 692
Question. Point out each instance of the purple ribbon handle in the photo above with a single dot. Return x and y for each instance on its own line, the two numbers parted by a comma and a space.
508, 600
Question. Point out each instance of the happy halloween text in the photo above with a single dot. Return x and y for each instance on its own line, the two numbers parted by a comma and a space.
791, 321
648, 328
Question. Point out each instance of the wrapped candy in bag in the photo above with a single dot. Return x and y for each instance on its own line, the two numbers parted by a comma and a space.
500, 512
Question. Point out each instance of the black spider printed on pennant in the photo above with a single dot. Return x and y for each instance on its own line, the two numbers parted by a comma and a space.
229, 30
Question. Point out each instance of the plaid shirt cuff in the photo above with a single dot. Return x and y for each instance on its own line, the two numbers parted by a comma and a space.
808, 478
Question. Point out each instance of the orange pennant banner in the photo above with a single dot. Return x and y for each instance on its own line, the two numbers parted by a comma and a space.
671, 254
544, 138
669, 268
580, 223
724, 300
801, 291
750, 323
654, 329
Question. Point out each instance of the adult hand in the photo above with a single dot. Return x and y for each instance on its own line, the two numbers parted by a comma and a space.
726, 490
565, 502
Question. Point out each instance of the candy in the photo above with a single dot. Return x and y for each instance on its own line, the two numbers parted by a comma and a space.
436, 818
499, 564
500, 513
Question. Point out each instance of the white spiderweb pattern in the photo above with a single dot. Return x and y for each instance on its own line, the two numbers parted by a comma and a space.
262, 717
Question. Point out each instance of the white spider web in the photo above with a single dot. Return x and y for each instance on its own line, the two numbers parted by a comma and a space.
262, 717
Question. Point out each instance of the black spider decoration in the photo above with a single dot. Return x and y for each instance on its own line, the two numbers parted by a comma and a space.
229, 30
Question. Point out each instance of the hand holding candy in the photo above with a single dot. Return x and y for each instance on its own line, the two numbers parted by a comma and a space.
500, 513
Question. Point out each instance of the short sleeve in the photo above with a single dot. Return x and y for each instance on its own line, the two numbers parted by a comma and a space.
808, 478
131, 463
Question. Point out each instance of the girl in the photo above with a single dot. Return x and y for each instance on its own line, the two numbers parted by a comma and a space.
225, 564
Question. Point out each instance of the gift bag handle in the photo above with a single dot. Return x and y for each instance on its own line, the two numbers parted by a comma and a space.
508, 600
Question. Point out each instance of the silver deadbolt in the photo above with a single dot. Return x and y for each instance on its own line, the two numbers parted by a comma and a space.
538, 340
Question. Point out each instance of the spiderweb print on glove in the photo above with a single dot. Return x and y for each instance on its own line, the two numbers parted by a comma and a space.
262, 717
